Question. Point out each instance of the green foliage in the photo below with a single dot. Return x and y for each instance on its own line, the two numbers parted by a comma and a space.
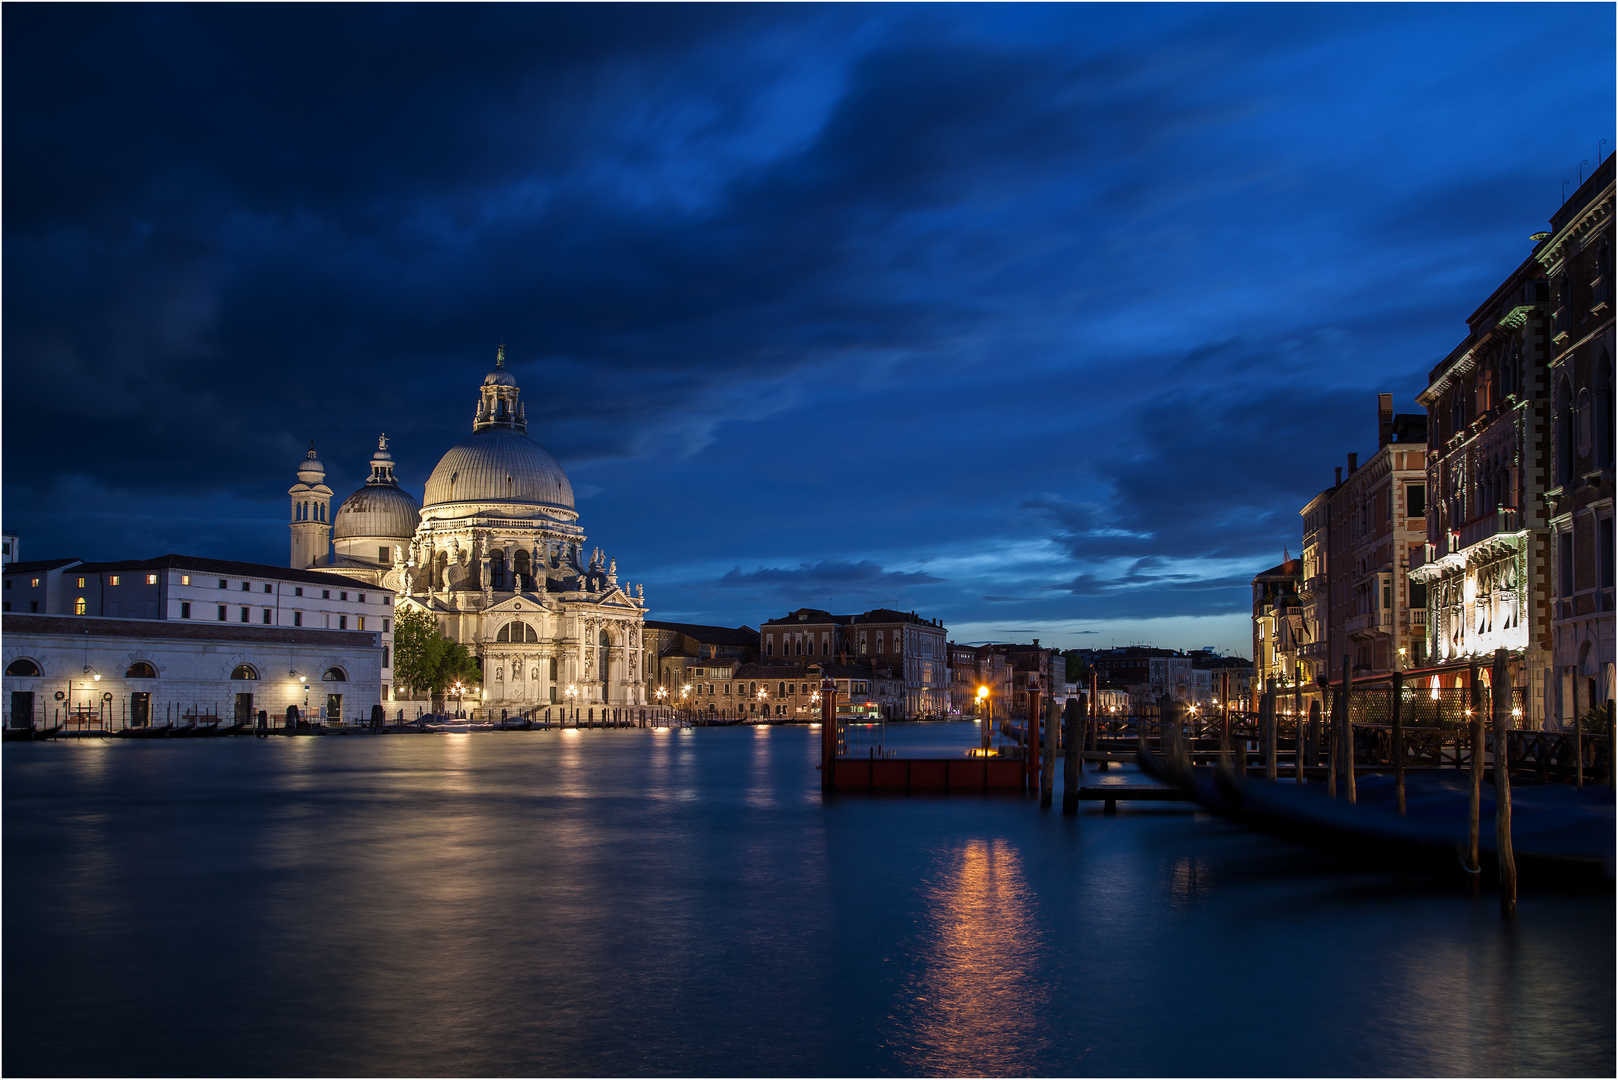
1078, 671
424, 659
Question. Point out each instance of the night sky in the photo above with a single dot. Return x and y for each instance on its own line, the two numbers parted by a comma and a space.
1044, 321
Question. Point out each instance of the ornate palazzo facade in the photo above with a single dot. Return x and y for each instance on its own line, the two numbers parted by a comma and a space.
496, 554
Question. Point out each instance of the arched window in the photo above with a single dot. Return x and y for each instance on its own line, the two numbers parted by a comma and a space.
244, 671
780, 689
335, 674
385, 662
79, 607
140, 669
22, 669
520, 571
1582, 422
606, 645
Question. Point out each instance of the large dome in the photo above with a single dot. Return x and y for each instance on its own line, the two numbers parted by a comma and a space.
377, 510
499, 465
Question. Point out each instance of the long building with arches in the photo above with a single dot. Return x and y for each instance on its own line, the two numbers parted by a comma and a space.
496, 554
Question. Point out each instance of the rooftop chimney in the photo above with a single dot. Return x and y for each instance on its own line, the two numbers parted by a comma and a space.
1384, 419
1353, 463
1339, 482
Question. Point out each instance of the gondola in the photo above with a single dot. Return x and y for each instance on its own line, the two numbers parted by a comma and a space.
1556, 830
161, 731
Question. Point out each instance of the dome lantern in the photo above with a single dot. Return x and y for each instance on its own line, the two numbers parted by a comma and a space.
498, 407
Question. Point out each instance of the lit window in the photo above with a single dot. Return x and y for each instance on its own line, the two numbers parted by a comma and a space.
79, 607
185, 579
361, 621
81, 583
151, 579
185, 611
33, 583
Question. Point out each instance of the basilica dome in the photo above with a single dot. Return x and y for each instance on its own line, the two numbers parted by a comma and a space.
377, 511
499, 465
381, 510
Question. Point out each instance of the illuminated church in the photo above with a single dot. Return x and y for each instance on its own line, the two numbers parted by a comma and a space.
496, 554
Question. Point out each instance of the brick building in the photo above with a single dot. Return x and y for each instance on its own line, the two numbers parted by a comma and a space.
1578, 263
912, 649
1482, 572
672, 650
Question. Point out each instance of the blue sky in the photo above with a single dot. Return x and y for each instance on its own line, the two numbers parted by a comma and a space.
1041, 320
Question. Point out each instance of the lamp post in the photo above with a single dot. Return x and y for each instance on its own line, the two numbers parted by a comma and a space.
985, 721
456, 692
685, 704
764, 707
661, 695
572, 703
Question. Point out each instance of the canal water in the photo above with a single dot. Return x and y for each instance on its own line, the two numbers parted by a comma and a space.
684, 902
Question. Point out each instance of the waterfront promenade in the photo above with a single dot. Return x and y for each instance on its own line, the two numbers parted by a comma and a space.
646, 902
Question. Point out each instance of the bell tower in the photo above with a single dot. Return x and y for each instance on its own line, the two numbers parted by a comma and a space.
311, 514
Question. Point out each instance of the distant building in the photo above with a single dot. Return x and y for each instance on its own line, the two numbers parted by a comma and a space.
1577, 258
907, 647
8, 549
674, 650
1279, 627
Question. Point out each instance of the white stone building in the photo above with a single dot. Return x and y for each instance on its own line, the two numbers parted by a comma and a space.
495, 552
119, 671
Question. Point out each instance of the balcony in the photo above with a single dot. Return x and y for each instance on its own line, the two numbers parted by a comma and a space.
1504, 520
1372, 624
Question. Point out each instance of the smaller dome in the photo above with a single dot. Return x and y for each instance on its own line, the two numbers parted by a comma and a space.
377, 510
499, 377
310, 470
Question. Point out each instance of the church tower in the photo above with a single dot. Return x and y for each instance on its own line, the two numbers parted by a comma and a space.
311, 514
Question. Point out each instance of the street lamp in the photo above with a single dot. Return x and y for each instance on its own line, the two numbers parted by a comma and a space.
986, 723
763, 697
457, 691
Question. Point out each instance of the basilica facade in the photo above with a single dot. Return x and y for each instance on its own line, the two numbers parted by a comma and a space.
496, 554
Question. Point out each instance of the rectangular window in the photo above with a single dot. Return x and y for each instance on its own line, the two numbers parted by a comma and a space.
298, 591
382, 556
360, 623
112, 579
266, 616
325, 594
185, 611
81, 583
247, 586
1606, 554
267, 587
223, 584
362, 598
151, 579
221, 612
7, 606
247, 614
342, 596
33, 606
1416, 500
33, 583
297, 618
384, 626
1418, 595
387, 601
342, 622
185, 579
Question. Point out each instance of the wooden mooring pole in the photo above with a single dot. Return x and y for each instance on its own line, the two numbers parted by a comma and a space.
1348, 734
1031, 739
1501, 687
1047, 772
1399, 741
828, 734
1297, 722
1073, 723
1474, 805
1271, 701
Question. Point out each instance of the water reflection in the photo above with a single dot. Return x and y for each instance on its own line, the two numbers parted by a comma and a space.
973, 1007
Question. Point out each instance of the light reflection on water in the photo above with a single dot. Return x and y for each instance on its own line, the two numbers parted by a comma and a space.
639, 902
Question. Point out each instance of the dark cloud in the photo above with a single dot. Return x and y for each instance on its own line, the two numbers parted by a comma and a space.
815, 290
828, 572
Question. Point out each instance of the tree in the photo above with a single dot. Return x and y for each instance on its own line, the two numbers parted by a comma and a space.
424, 659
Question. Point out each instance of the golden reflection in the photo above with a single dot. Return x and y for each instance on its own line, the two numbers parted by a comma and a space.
1190, 880
760, 779
976, 1007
